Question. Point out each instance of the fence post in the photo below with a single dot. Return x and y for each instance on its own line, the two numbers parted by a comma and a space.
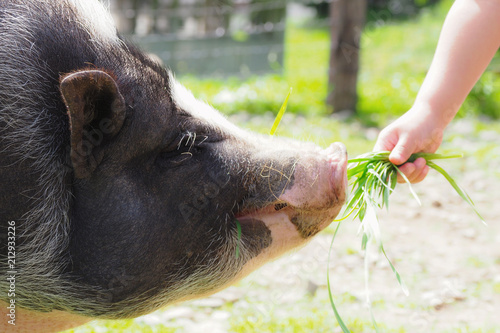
347, 18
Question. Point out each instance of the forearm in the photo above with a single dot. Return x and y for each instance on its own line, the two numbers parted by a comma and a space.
469, 39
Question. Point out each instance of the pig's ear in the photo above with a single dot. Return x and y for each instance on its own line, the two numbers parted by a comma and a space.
96, 111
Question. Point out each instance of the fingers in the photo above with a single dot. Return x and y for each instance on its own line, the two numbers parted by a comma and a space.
415, 172
386, 141
400, 146
383, 146
402, 151
422, 175
402, 139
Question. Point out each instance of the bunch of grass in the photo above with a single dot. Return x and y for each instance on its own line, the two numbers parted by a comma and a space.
373, 178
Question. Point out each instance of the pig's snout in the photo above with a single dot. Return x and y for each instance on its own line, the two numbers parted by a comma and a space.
320, 181
319, 190
312, 200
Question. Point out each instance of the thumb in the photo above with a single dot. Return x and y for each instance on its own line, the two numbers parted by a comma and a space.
401, 152
385, 141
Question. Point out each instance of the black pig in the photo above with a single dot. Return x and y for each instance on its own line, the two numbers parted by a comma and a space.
120, 192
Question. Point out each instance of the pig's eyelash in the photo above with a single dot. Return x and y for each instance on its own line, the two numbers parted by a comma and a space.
188, 136
191, 140
205, 138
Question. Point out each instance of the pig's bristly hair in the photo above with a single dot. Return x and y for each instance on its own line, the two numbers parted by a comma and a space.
41, 261
38, 137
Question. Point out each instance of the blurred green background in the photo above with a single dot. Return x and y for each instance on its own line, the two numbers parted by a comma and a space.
395, 55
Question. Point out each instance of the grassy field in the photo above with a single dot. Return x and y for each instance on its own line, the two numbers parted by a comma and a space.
396, 55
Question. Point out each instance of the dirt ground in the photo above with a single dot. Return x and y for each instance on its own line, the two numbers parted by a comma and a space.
449, 260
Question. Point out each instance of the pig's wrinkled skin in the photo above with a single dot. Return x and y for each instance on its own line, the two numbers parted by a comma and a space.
123, 188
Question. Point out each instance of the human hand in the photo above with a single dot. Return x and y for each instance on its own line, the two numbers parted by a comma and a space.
418, 130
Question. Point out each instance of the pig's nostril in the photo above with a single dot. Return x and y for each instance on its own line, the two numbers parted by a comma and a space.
280, 205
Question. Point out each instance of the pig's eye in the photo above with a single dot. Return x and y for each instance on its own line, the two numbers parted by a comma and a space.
183, 148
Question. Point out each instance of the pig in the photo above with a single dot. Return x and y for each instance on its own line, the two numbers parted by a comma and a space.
121, 193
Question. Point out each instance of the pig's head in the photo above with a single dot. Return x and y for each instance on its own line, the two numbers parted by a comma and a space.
171, 201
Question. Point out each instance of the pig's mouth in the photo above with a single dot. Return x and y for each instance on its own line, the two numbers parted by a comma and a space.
312, 202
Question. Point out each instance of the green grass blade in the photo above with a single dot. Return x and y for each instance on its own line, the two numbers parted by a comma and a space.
367, 287
380, 179
238, 226
409, 186
381, 156
364, 240
354, 201
374, 322
362, 211
280, 114
398, 277
430, 156
457, 188
353, 171
341, 323
394, 179
386, 193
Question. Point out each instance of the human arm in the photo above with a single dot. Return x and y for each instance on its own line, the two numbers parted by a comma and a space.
468, 41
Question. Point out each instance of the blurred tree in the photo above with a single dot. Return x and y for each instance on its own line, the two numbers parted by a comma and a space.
347, 19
